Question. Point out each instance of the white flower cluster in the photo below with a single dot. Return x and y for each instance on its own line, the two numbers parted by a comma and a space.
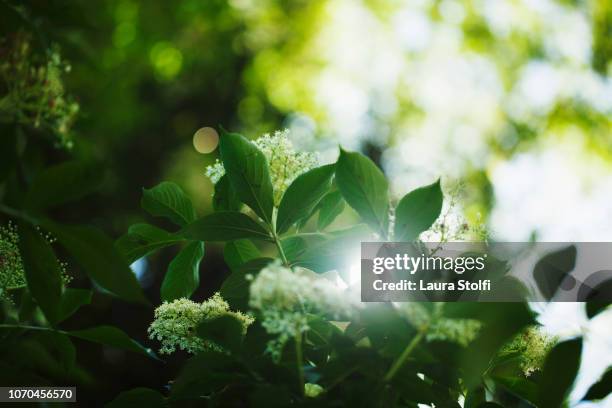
176, 322
438, 327
285, 163
532, 346
284, 298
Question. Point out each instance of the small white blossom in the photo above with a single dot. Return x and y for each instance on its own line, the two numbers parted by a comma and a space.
284, 298
11, 266
176, 322
284, 162
532, 346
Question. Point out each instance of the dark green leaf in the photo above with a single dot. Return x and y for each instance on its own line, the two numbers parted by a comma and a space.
60, 346
183, 276
42, 271
63, 183
239, 252
602, 388
365, 188
417, 211
95, 252
248, 172
225, 197
502, 321
72, 300
330, 207
169, 201
593, 308
225, 226
552, 269
235, 288
294, 246
474, 398
143, 239
521, 387
8, 149
138, 397
303, 195
559, 372
225, 331
112, 337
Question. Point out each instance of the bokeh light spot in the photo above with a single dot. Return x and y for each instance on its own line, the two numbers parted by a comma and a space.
205, 140
167, 60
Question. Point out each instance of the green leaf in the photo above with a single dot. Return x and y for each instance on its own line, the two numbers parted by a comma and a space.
225, 331
225, 226
63, 183
417, 211
303, 195
559, 372
59, 345
8, 149
521, 387
143, 239
601, 389
330, 207
239, 252
113, 337
225, 197
138, 397
365, 189
248, 172
169, 201
72, 300
42, 271
95, 252
235, 288
552, 269
183, 276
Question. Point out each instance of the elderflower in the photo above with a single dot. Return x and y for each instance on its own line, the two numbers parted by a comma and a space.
12, 273
284, 298
176, 322
11, 266
33, 92
438, 327
284, 162
532, 346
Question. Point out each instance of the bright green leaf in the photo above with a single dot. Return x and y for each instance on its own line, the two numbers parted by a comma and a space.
303, 195
183, 276
224, 226
168, 200
365, 189
330, 206
417, 211
248, 172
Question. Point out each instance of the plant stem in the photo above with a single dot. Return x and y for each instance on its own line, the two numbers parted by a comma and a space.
281, 252
41, 328
299, 361
399, 362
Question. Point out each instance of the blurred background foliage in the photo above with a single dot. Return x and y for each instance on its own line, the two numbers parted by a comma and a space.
511, 98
